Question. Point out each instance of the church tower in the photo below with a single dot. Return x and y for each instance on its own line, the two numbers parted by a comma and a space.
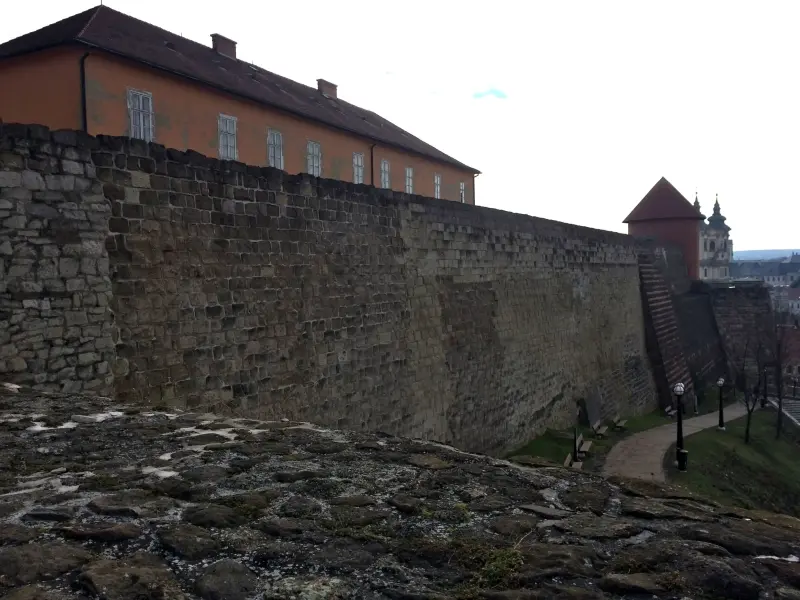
716, 246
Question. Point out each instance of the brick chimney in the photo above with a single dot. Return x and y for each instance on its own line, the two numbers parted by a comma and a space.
223, 45
326, 88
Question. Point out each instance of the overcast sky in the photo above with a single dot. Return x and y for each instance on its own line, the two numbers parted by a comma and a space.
572, 110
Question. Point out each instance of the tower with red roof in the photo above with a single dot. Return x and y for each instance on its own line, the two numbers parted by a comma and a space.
667, 216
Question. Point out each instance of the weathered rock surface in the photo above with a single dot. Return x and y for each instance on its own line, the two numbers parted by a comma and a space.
105, 501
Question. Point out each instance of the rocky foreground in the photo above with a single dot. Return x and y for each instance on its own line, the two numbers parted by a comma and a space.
120, 503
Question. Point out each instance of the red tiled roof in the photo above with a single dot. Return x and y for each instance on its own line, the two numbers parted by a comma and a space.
117, 33
663, 201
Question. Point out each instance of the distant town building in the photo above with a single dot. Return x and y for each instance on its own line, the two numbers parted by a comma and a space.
778, 275
716, 246
791, 358
772, 272
793, 300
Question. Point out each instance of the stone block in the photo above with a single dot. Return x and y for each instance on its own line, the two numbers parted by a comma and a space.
75, 317
16, 364
68, 267
15, 222
88, 358
32, 180
10, 179
140, 180
72, 167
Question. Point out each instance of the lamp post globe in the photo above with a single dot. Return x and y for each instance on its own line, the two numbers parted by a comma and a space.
720, 381
679, 389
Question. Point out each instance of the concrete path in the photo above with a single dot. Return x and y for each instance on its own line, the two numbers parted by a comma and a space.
641, 455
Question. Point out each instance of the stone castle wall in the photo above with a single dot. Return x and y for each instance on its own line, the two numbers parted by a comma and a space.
743, 312
56, 324
701, 341
240, 289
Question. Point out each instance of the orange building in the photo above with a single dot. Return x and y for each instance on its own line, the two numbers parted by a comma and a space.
104, 72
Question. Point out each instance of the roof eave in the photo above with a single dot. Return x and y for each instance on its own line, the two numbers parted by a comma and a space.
36, 49
631, 219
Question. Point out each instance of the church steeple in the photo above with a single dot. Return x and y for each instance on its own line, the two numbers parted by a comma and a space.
716, 220
696, 201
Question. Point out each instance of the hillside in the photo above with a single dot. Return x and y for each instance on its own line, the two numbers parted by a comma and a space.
762, 254
764, 474
108, 501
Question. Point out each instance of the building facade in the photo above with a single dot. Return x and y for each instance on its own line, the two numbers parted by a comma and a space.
793, 301
104, 72
782, 277
791, 359
716, 246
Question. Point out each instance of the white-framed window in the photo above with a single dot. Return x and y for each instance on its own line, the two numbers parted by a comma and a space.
386, 180
275, 148
437, 185
358, 167
140, 115
314, 158
462, 191
227, 138
409, 180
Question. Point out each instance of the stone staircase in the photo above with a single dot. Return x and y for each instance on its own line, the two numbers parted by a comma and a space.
791, 408
665, 349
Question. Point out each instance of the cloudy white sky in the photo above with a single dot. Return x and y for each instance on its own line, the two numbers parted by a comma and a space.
590, 102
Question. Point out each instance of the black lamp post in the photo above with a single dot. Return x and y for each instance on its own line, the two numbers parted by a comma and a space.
682, 455
764, 396
720, 384
575, 435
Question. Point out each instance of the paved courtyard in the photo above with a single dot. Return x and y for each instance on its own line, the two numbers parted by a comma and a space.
641, 455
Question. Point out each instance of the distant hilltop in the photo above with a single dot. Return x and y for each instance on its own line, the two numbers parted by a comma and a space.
763, 254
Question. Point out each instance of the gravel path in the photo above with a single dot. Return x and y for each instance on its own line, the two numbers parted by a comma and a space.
641, 455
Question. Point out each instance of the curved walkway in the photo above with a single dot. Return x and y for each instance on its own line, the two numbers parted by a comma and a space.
641, 455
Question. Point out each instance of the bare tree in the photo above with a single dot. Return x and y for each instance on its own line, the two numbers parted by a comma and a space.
751, 355
780, 351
